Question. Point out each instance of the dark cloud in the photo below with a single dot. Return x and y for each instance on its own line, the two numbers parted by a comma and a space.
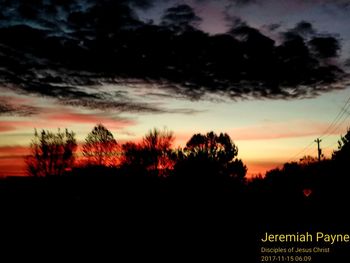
303, 28
237, 3
180, 18
325, 47
234, 21
143, 4
347, 63
52, 48
9, 109
273, 27
314, 44
242, 2
341, 4
123, 106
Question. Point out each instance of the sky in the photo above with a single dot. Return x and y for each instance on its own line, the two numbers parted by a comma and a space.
272, 74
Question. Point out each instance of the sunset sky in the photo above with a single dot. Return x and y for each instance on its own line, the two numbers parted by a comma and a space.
238, 68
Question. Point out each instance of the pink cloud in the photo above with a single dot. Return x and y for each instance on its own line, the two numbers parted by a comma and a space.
12, 160
12, 166
4, 127
63, 117
15, 125
278, 130
13, 151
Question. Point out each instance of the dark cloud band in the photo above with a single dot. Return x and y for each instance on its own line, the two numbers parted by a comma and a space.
10, 109
43, 42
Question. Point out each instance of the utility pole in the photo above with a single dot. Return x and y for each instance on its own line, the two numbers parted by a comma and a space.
319, 151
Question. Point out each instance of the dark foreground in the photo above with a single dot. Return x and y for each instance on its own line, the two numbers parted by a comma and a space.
162, 219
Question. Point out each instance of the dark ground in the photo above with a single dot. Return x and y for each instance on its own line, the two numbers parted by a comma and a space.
159, 219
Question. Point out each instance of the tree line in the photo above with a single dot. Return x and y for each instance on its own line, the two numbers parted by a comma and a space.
55, 154
206, 157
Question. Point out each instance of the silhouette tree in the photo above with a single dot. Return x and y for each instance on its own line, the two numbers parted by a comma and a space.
51, 153
100, 147
157, 144
343, 152
307, 160
153, 155
217, 153
134, 158
212, 146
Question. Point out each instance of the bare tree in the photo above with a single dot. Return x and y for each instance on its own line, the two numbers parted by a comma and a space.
51, 153
153, 154
100, 147
158, 144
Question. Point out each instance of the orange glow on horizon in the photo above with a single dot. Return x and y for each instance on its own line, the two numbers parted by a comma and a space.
260, 168
12, 162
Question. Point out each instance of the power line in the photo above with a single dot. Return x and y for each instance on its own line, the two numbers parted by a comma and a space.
339, 124
331, 146
330, 129
335, 124
302, 151
319, 151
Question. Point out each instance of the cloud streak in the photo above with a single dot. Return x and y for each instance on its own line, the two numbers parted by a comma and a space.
271, 131
9, 107
10, 155
83, 118
12, 151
